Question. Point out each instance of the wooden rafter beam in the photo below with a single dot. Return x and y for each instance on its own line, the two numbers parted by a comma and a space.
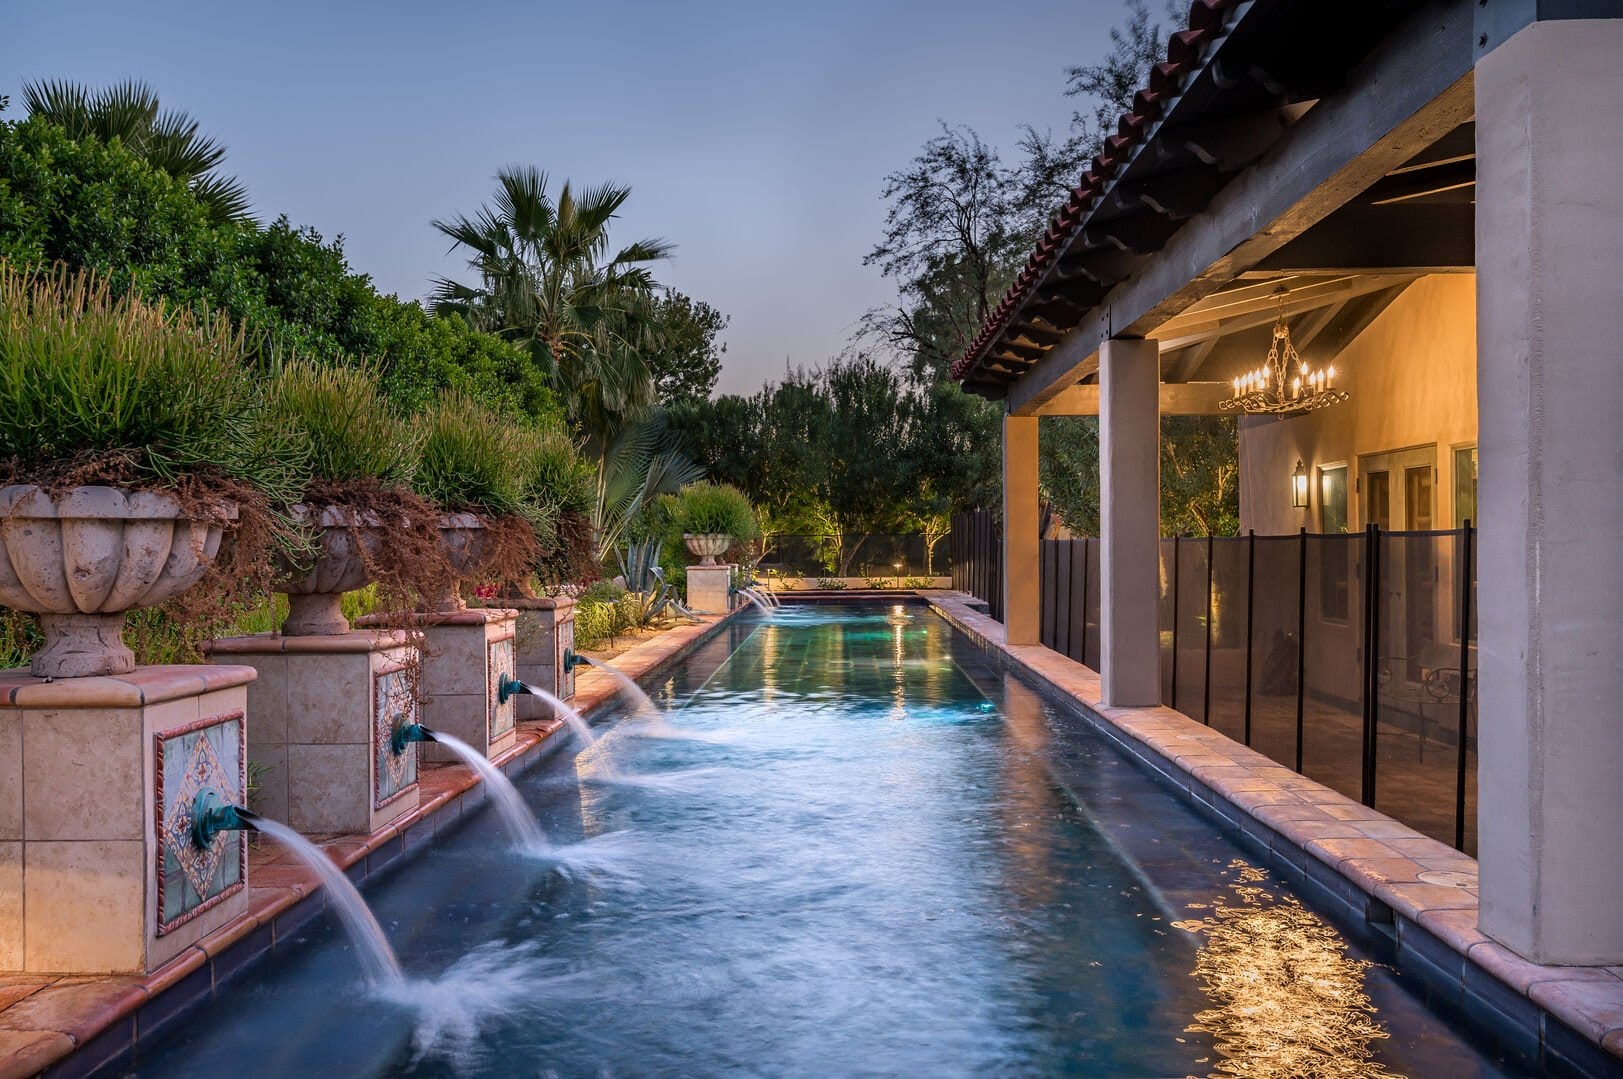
1177, 399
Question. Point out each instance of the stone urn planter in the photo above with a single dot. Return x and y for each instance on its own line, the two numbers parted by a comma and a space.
707, 545
466, 545
315, 587
81, 558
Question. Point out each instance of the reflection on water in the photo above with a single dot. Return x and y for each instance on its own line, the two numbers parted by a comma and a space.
854, 847
1288, 1000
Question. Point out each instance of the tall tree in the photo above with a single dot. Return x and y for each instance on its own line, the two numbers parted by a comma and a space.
546, 278
685, 359
129, 112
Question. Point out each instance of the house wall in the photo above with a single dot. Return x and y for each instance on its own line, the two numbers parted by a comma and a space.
1412, 376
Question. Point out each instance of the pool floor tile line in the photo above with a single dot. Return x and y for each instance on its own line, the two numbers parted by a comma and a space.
1427, 888
67, 1026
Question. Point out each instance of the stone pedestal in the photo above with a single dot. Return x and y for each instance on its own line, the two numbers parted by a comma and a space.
465, 656
545, 631
324, 709
98, 874
709, 589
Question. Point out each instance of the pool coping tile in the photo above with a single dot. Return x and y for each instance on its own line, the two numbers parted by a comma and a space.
1337, 848
72, 1025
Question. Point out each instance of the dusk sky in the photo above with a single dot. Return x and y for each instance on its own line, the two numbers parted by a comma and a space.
755, 136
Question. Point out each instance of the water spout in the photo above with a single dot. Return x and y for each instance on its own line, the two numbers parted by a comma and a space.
213, 814
407, 733
515, 813
640, 701
509, 686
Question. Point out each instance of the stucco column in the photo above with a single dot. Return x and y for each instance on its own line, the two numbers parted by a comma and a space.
1549, 235
1129, 521
1022, 598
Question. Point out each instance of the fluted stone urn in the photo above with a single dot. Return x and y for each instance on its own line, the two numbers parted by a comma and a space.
82, 557
707, 545
466, 545
344, 543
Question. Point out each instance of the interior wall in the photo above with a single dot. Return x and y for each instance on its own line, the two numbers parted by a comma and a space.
1412, 377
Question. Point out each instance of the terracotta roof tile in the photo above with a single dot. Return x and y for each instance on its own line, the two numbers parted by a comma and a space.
1206, 19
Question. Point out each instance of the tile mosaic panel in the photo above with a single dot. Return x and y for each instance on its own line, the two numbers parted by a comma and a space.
394, 705
500, 666
209, 753
565, 642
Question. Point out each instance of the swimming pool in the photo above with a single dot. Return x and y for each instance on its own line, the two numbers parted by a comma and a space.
855, 847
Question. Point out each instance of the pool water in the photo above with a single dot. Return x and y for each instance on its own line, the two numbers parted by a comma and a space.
855, 848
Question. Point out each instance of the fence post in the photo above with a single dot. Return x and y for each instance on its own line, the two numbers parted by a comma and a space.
1467, 572
1087, 582
1062, 545
1173, 704
1250, 620
1206, 693
1301, 643
1372, 644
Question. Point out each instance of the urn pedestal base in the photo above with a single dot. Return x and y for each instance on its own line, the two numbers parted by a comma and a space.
325, 709
710, 589
544, 634
465, 656
98, 873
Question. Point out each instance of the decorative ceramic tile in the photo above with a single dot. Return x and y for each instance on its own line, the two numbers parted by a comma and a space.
565, 643
208, 753
394, 705
500, 666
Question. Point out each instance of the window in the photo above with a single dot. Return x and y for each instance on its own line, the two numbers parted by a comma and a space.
1335, 554
1464, 486
1333, 499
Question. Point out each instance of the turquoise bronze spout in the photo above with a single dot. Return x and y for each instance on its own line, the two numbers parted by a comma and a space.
212, 814
406, 733
573, 659
508, 686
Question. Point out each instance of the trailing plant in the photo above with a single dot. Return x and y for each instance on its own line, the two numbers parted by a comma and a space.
363, 459
136, 395
475, 461
717, 508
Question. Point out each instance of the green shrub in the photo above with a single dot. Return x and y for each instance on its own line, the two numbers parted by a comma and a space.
351, 432
832, 583
101, 207
132, 387
918, 582
594, 623
716, 508
473, 460
601, 592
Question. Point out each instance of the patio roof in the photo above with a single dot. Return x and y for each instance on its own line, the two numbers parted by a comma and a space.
1235, 84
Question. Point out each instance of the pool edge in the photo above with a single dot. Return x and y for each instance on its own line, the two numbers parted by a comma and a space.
85, 1024
1573, 1014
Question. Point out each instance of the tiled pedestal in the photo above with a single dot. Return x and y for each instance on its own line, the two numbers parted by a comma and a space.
465, 656
98, 874
710, 589
545, 632
325, 708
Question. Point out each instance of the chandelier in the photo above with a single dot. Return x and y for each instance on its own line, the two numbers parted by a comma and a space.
1284, 384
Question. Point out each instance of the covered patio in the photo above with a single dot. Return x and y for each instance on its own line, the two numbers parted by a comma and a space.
1425, 194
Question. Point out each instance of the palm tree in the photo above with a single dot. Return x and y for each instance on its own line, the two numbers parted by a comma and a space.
547, 280
128, 111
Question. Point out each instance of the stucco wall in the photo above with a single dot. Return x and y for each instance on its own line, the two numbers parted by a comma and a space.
1412, 376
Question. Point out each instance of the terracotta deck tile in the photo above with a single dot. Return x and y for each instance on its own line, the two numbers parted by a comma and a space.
28, 1052
1371, 873
1456, 927
1591, 1006
1305, 832
15, 988
1522, 975
78, 1007
1613, 1042
266, 903
1333, 850
175, 970
1413, 899
228, 934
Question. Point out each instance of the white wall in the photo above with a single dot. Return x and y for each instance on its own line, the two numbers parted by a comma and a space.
1412, 376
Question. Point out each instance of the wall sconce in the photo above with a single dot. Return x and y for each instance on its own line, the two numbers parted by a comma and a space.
1299, 486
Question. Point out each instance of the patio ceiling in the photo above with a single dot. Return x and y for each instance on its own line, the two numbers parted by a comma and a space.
1285, 142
